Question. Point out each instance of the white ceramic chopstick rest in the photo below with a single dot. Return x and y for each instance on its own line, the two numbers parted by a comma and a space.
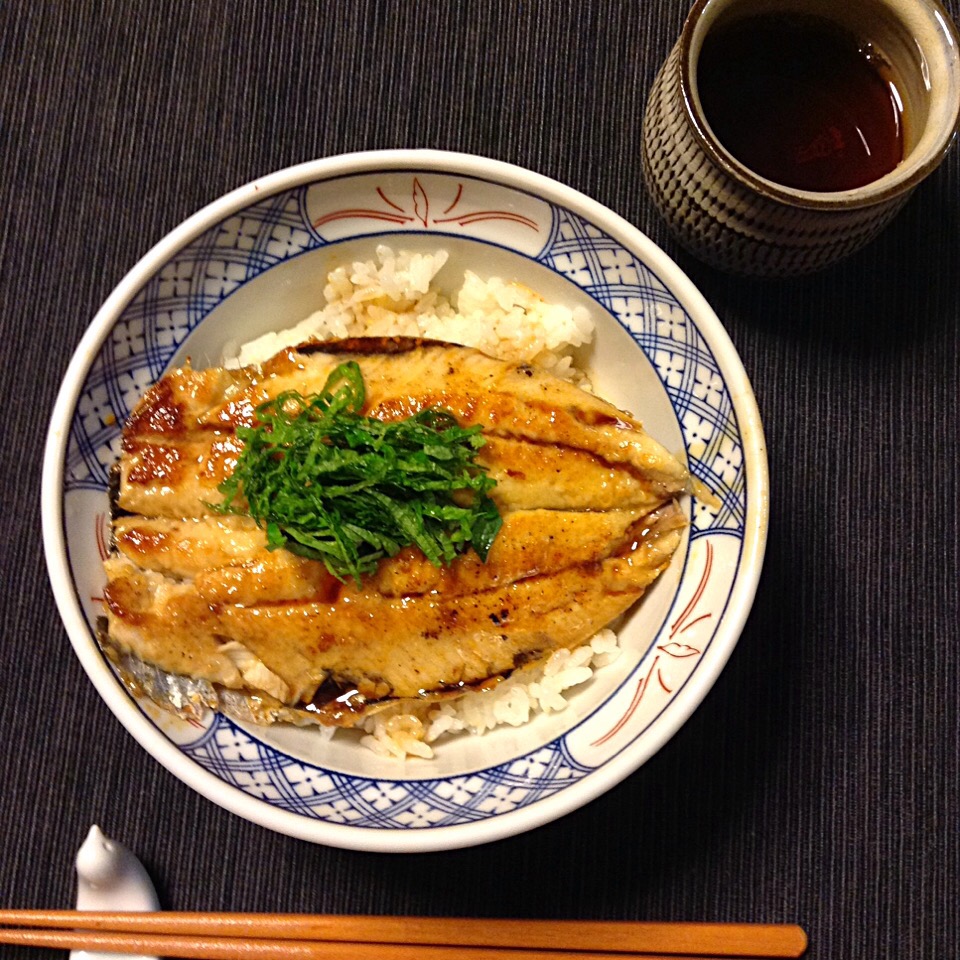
110, 877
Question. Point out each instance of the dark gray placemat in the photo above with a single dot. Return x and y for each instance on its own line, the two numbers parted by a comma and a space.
818, 782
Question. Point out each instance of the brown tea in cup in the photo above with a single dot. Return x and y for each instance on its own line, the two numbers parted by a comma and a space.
801, 101
759, 179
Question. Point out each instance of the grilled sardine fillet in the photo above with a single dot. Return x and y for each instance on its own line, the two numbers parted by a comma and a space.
408, 631
562, 445
178, 475
589, 511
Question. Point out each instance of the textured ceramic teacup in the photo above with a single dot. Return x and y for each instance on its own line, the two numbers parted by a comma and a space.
735, 219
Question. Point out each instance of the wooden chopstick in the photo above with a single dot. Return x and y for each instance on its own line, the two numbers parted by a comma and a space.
208, 936
231, 948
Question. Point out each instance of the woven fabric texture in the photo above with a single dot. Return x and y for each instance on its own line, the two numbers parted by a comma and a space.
818, 782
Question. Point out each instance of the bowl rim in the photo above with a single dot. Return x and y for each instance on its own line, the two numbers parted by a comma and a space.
392, 840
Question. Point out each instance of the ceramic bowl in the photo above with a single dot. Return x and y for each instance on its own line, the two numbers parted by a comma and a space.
256, 260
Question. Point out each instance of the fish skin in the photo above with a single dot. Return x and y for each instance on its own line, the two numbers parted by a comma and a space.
185, 583
226, 557
174, 477
229, 559
165, 622
506, 399
439, 641
183, 547
386, 646
557, 477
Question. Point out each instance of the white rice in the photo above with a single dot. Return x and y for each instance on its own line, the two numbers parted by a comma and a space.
395, 296
402, 731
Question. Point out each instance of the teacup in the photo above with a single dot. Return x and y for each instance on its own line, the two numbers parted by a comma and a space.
737, 204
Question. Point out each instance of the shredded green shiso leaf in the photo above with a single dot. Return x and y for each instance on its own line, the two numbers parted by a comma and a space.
330, 484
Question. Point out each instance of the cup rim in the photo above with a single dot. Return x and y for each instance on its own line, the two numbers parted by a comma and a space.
902, 179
